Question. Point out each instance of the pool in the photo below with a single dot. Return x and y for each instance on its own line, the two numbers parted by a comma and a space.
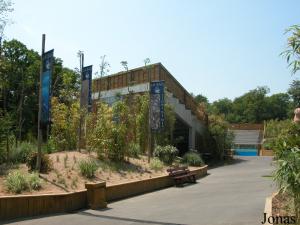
246, 151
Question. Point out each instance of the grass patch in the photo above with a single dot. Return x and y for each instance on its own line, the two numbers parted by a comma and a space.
156, 164
88, 168
17, 182
192, 159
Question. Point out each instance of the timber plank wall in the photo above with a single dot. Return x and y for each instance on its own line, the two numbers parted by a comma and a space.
140, 75
247, 126
12, 207
20, 206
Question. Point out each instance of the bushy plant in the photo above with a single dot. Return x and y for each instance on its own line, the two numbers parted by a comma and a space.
192, 158
34, 182
273, 128
65, 124
134, 150
220, 137
166, 153
287, 154
156, 164
108, 131
16, 182
88, 168
50, 146
287, 175
21, 153
46, 162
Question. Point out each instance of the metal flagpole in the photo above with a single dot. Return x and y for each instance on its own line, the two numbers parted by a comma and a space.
40, 131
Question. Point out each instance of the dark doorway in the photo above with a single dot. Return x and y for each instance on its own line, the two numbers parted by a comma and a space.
181, 136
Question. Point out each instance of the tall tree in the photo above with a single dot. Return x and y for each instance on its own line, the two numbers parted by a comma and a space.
294, 92
5, 9
19, 77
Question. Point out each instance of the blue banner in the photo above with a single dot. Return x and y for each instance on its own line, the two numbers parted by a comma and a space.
157, 115
46, 86
86, 87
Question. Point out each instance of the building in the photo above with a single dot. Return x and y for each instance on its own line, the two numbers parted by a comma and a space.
189, 123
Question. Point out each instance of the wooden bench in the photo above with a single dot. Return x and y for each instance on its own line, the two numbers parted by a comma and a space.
181, 174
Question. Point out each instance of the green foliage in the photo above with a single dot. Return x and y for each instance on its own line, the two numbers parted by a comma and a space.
5, 8
273, 128
287, 175
192, 158
46, 162
201, 98
142, 118
134, 150
99, 126
220, 138
88, 168
16, 182
166, 154
5, 136
285, 140
65, 124
20, 153
34, 182
253, 107
19, 76
164, 136
156, 164
294, 92
292, 53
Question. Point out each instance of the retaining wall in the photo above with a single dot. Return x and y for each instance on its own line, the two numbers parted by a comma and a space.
12, 207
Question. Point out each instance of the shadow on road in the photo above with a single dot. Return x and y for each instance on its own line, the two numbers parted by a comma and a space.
84, 213
216, 164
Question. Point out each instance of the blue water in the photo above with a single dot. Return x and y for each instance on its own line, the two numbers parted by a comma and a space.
246, 151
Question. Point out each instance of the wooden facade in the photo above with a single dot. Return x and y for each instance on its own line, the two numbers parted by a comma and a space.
141, 75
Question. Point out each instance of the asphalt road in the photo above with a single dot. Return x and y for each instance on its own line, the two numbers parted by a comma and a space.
229, 195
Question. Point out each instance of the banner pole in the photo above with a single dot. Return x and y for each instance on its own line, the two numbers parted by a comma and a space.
40, 131
80, 119
149, 119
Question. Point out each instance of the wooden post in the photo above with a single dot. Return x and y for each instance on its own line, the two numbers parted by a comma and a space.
40, 131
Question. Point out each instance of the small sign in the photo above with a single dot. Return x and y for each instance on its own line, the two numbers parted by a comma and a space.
157, 118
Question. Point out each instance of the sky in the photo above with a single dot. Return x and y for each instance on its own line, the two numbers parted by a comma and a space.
216, 48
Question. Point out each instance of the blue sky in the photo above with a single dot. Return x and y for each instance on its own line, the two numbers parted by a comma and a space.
216, 48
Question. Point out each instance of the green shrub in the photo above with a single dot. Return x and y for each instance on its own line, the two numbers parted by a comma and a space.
156, 164
192, 158
134, 150
49, 147
287, 175
46, 162
16, 182
88, 168
34, 182
166, 153
20, 153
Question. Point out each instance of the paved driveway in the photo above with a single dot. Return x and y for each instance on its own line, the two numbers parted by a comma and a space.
230, 195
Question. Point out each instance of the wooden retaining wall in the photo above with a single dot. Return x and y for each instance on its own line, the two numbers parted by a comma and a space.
247, 126
266, 152
32, 205
12, 207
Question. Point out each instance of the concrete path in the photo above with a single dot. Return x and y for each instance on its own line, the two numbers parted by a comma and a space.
230, 195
